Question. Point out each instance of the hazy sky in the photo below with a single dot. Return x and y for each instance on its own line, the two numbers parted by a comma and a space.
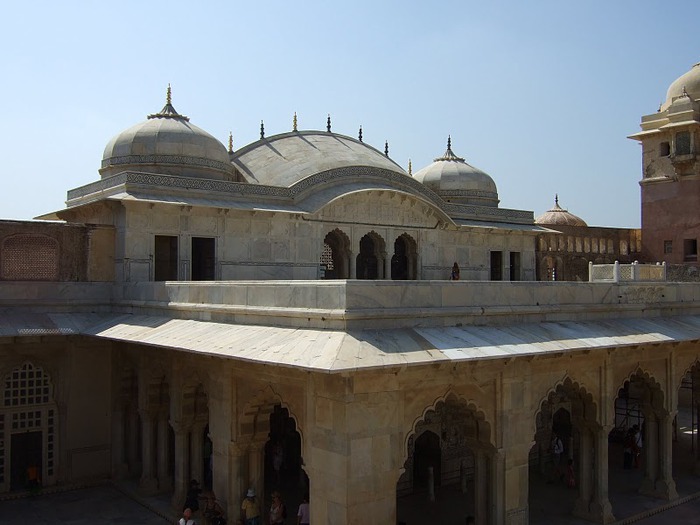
539, 94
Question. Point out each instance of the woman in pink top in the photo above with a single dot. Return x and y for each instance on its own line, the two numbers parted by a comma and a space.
303, 514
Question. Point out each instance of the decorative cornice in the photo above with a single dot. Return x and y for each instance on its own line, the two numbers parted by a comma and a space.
301, 190
171, 160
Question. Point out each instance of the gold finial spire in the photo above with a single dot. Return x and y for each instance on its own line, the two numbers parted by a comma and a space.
169, 95
410, 167
230, 142
294, 122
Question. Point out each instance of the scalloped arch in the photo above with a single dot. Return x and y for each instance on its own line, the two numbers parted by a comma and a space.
471, 405
263, 403
567, 384
649, 379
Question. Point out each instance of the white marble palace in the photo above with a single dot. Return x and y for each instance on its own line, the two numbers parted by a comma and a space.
195, 309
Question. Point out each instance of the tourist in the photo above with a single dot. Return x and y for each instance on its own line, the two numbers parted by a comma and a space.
637, 445
454, 276
187, 517
192, 497
278, 511
250, 510
213, 512
628, 446
570, 474
557, 449
277, 460
303, 515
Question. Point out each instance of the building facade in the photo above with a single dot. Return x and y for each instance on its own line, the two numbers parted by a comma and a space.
201, 309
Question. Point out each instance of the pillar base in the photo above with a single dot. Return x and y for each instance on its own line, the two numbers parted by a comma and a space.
165, 484
148, 485
517, 516
120, 471
594, 511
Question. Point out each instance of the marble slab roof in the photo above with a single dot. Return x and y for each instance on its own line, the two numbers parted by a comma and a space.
336, 351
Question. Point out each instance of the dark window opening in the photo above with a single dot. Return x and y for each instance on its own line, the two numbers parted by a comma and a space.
690, 249
664, 149
514, 266
166, 258
367, 263
683, 143
668, 246
203, 259
496, 266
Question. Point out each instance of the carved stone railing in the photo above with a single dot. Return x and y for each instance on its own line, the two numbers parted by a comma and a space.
615, 273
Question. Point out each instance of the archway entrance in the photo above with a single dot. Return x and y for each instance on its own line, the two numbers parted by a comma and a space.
283, 462
449, 471
641, 449
369, 259
427, 461
335, 256
565, 474
28, 428
403, 262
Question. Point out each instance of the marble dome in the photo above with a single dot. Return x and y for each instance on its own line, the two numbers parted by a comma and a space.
167, 143
688, 82
456, 181
558, 216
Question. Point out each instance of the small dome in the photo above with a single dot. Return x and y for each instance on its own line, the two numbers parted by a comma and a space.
559, 217
456, 181
688, 83
167, 143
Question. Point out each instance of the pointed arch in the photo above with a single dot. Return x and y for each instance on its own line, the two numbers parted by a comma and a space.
370, 257
485, 434
404, 261
335, 255
253, 417
586, 407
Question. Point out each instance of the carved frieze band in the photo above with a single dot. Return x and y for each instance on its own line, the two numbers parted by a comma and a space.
297, 191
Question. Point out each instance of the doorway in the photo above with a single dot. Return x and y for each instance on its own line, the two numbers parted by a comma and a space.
26, 451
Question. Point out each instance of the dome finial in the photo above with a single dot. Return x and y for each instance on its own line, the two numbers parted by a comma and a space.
386, 148
294, 122
262, 129
328, 123
230, 141
168, 110
449, 154
556, 199
410, 168
359, 136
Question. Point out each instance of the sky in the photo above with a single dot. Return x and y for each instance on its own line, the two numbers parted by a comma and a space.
541, 95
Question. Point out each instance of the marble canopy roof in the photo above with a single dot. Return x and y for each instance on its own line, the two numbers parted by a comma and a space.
336, 351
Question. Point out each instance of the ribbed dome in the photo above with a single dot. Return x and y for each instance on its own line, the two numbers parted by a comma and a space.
559, 217
456, 181
687, 83
166, 143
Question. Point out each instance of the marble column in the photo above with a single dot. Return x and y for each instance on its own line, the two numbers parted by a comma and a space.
236, 481
600, 509
256, 467
585, 474
665, 486
182, 464
353, 267
120, 467
499, 514
197, 453
165, 481
387, 266
482, 479
650, 463
132, 441
148, 482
